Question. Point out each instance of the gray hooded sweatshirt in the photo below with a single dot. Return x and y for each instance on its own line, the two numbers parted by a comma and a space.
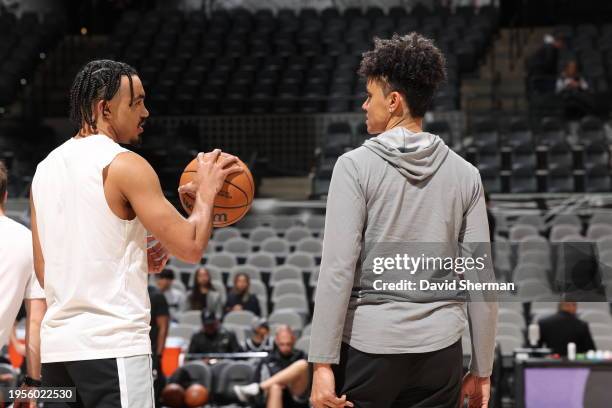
399, 188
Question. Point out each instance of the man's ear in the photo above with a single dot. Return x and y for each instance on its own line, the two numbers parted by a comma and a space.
105, 109
395, 101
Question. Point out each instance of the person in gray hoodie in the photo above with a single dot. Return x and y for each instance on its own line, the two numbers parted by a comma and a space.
403, 190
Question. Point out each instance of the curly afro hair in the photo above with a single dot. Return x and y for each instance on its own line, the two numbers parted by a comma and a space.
411, 65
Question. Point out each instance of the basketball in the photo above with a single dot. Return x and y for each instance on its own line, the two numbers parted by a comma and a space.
173, 396
232, 202
196, 395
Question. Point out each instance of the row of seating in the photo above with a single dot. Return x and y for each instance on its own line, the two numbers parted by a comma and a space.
24, 42
240, 323
514, 158
261, 62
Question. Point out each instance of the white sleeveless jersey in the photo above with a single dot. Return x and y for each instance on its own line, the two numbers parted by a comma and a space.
95, 263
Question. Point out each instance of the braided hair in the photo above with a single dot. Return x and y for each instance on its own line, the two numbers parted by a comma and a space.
97, 80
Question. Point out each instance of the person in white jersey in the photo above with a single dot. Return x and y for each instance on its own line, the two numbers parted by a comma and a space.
92, 204
18, 282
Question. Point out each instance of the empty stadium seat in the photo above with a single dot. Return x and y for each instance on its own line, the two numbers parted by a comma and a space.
222, 260
297, 303
288, 286
236, 373
285, 272
191, 318
303, 260
199, 372
240, 317
263, 261
287, 317
259, 234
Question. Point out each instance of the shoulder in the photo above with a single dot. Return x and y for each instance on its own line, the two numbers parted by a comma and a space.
20, 235
129, 162
462, 165
356, 159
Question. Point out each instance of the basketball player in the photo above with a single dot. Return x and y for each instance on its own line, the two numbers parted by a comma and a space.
382, 349
93, 202
18, 282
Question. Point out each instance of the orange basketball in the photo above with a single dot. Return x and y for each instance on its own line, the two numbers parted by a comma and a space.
173, 396
232, 202
196, 396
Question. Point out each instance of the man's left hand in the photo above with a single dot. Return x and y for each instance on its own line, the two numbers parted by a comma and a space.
25, 402
157, 255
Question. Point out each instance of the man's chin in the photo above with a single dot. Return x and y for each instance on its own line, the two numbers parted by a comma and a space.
136, 141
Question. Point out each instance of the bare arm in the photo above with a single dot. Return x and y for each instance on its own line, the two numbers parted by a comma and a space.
185, 238
36, 309
19, 347
162, 323
39, 260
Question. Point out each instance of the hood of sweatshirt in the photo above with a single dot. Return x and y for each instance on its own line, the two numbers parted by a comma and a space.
417, 156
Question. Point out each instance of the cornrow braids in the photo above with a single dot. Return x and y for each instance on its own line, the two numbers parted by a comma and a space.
97, 80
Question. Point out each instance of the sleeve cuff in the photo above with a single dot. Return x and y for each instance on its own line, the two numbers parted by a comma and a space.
323, 360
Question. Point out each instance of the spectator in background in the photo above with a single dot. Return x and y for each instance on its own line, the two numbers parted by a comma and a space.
570, 78
260, 339
174, 296
565, 327
213, 338
203, 295
240, 298
542, 65
283, 379
573, 89
160, 320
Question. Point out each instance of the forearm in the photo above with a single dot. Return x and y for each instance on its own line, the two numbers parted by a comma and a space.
201, 219
331, 304
36, 309
483, 327
200, 229
342, 244
161, 335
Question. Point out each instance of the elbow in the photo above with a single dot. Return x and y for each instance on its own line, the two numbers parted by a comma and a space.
192, 256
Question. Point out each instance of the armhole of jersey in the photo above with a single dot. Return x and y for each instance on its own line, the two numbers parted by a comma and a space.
106, 167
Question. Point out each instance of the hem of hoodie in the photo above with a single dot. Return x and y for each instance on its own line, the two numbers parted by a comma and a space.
95, 354
372, 349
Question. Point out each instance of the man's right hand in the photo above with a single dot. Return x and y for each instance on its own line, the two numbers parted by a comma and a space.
477, 390
323, 393
212, 172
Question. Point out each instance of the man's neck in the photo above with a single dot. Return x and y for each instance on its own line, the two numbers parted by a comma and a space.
2, 214
101, 129
415, 125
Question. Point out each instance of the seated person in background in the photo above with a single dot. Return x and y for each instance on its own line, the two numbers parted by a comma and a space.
175, 297
213, 338
570, 79
260, 339
203, 294
239, 298
573, 89
565, 327
283, 379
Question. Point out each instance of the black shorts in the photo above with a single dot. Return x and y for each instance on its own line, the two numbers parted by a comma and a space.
124, 382
413, 380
